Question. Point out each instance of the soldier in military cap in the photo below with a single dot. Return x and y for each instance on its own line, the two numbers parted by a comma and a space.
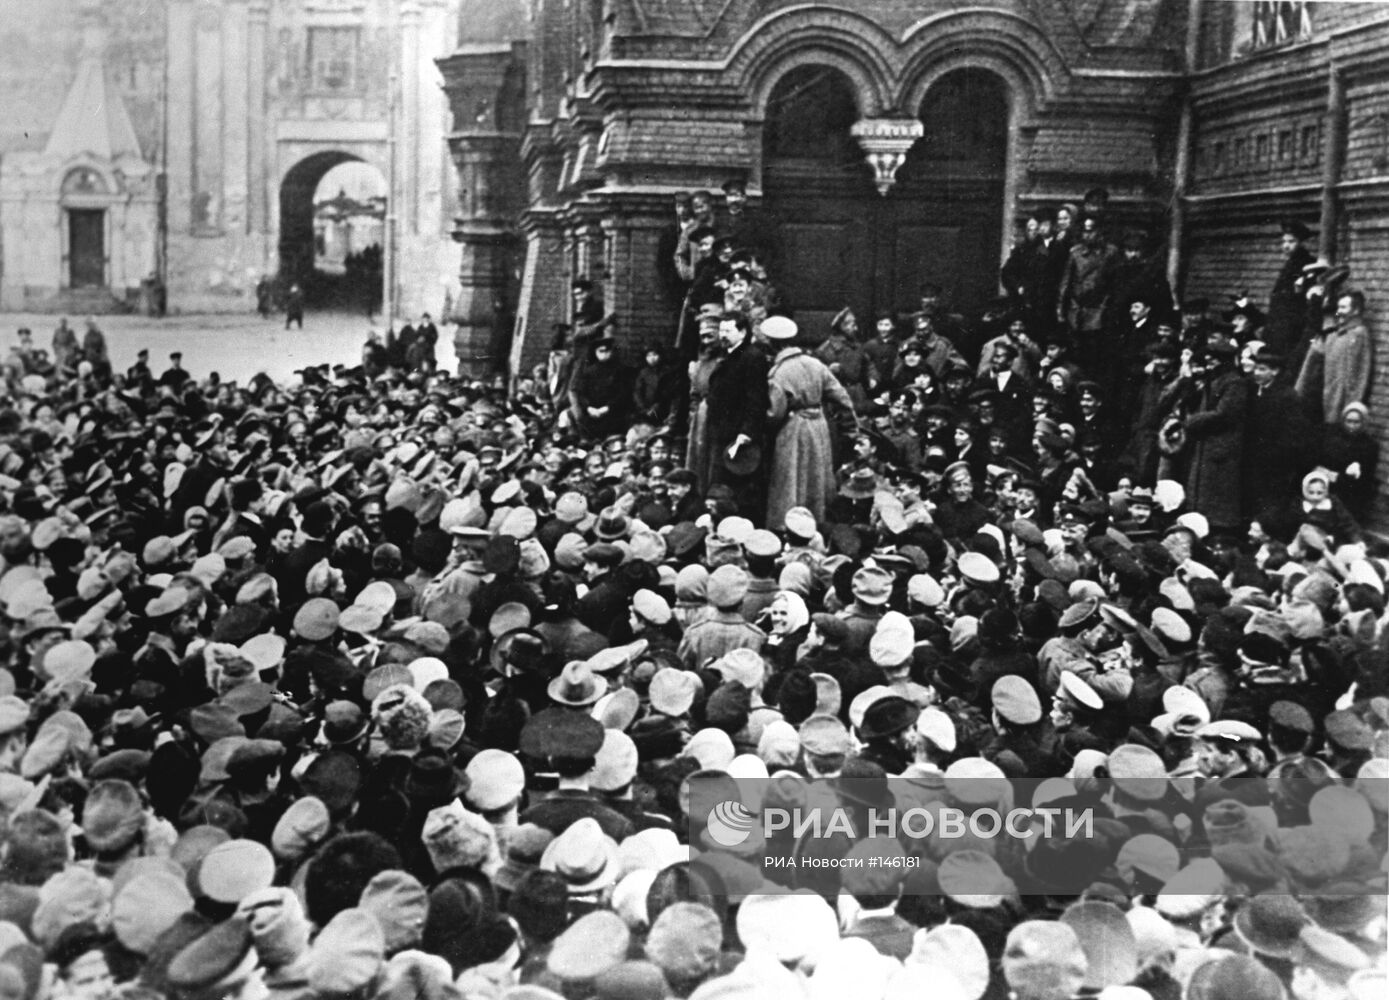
1349, 740
1224, 751
1017, 721
1076, 708
566, 743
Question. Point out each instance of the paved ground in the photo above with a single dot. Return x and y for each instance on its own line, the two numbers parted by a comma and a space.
237, 346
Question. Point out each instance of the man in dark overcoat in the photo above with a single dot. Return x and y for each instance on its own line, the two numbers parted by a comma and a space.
1215, 436
1287, 305
738, 405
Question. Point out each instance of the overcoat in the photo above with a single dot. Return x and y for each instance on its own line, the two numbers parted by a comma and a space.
802, 472
1215, 438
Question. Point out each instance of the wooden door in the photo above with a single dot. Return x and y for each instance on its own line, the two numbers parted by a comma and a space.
819, 191
949, 192
843, 243
86, 248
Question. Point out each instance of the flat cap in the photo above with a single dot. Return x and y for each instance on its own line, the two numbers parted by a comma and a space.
559, 732
211, 958
1293, 716
824, 735
1015, 701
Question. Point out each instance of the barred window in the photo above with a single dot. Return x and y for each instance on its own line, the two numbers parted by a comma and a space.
1277, 22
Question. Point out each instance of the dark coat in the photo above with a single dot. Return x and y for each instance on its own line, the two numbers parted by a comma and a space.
1142, 278
1287, 305
738, 397
602, 384
295, 568
1151, 405
1276, 447
654, 393
1339, 451
604, 604
1215, 439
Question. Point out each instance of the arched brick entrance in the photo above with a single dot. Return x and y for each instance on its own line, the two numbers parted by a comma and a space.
949, 192
843, 243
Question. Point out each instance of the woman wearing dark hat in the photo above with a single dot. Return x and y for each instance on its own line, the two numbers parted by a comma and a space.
656, 388
598, 391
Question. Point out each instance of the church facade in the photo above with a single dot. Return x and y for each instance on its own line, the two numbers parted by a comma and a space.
192, 137
898, 144
1005, 105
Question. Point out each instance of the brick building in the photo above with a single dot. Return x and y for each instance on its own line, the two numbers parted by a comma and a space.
1207, 122
187, 137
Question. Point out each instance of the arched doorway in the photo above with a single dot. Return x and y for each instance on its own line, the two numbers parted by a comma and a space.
332, 217
843, 243
86, 196
951, 190
819, 189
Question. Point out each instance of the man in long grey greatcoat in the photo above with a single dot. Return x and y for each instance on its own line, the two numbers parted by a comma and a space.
800, 385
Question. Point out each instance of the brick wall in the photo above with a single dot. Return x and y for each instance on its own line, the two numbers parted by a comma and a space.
544, 297
1239, 195
1367, 246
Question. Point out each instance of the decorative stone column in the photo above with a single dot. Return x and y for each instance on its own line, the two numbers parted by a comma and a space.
485, 147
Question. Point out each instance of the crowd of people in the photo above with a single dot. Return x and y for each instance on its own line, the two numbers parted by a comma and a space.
387, 683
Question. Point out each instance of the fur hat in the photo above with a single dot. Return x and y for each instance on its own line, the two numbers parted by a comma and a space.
402, 715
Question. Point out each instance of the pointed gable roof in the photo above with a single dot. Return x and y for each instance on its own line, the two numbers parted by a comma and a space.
93, 118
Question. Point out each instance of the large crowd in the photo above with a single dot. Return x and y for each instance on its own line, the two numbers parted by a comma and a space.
389, 683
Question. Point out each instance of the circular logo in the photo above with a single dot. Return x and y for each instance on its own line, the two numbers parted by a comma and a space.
730, 824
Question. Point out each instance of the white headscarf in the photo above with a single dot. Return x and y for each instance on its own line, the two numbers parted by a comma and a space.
797, 617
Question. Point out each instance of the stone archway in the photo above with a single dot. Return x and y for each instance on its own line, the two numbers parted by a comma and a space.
297, 233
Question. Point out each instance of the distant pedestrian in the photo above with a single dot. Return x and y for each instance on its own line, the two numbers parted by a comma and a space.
294, 307
65, 346
94, 351
265, 299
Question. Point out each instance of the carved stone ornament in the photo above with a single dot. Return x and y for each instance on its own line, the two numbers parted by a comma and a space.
885, 143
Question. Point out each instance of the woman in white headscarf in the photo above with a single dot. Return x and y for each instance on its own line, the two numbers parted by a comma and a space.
790, 624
